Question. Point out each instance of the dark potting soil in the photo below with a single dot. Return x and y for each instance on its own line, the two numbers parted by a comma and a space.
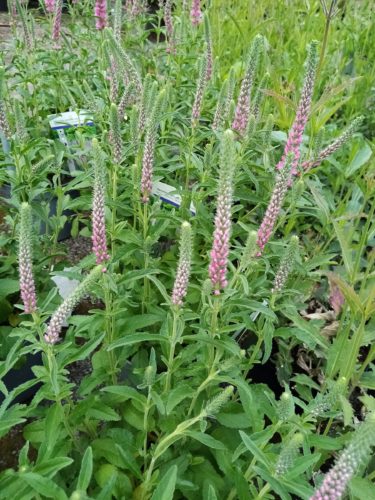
11, 445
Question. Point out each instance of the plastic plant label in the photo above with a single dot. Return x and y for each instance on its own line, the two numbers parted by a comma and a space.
65, 285
169, 194
255, 314
64, 126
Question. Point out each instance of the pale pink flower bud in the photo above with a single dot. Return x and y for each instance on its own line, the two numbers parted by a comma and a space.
275, 204
101, 14
149, 147
168, 19
196, 13
184, 264
294, 141
50, 5
27, 285
56, 29
199, 93
220, 248
242, 112
99, 241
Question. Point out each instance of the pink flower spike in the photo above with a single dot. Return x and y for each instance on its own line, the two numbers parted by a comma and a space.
196, 13
275, 205
101, 14
220, 248
184, 264
56, 29
242, 113
99, 240
27, 285
50, 5
294, 141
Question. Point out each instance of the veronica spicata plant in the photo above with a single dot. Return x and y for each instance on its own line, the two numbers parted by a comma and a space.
180, 319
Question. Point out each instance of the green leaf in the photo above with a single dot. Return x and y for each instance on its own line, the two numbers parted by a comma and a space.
136, 339
177, 395
254, 450
85, 473
44, 486
301, 465
206, 439
345, 247
167, 485
68, 357
8, 287
211, 493
347, 410
274, 483
141, 321
104, 413
362, 489
129, 461
126, 392
52, 465
300, 488
361, 157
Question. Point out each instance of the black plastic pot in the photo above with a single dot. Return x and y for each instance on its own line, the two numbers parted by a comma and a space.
15, 377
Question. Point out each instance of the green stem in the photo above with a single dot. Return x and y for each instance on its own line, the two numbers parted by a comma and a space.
109, 328
356, 342
213, 331
114, 209
173, 343
145, 249
249, 471
145, 425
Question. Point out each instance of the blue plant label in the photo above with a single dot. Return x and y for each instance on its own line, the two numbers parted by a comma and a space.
169, 194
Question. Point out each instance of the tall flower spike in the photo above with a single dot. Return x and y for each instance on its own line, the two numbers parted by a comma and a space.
209, 51
195, 12
288, 454
25, 25
100, 14
286, 265
218, 121
50, 5
199, 93
56, 28
220, 248
168, 20
115, 134
243, 104
294, 141
117, 20
19, 118
27, 285
258, 97
55, 325
184, 264
358, 451
4, 125
335, 145
149, 147
249, 250
124, 62
113, 80
147, 101
126, 99
99, 240
275, 204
